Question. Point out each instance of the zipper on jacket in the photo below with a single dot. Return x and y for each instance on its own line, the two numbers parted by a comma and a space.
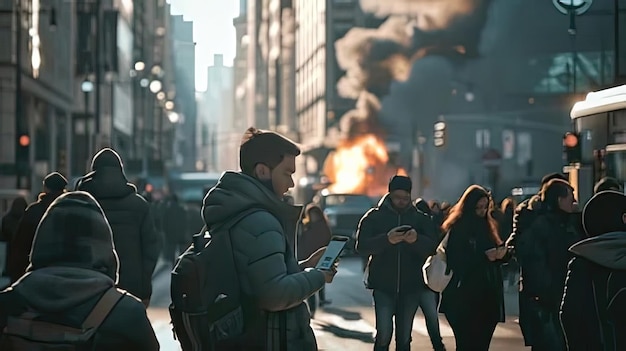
398, 273
595, 299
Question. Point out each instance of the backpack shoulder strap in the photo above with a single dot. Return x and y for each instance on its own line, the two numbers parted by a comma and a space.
102, 309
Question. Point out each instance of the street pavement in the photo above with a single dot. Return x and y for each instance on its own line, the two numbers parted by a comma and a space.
348, 323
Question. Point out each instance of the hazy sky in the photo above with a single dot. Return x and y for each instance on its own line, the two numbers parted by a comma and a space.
213, 31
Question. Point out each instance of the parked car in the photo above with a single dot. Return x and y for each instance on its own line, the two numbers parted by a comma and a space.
344, 211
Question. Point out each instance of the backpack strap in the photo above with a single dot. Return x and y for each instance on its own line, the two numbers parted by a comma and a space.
102, 309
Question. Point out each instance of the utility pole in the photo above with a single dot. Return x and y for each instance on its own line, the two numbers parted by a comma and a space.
98, 68
21, 170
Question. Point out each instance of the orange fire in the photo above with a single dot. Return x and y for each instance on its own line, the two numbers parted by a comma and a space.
360, 166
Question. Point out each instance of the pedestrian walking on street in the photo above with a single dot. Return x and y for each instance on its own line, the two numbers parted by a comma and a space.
266, 264
137, 241
53, 186
473, 300
8, 228
314, 235
398, 239
73, 265
594, 300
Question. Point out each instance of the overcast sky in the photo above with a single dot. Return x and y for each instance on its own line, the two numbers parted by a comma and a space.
213, 31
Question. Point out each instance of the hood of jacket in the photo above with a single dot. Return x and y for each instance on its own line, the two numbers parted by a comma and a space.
607, 250
106, 183
58, 289
236, 192
74, 232
106, 179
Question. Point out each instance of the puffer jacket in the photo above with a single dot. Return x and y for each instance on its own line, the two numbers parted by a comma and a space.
593, 311
267, 267
395, 268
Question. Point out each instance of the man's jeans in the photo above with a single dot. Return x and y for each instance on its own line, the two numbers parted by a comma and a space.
386, 306
429, 301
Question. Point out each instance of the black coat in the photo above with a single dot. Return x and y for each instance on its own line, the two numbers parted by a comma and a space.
593, 311
23, 240
136, 240
395, 268
67, 295
476, 284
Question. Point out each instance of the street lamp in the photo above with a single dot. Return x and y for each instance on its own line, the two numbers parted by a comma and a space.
173, 117
87, 87
156, 86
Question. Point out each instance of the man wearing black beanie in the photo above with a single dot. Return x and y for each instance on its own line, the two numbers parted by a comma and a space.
398, 239
53, 186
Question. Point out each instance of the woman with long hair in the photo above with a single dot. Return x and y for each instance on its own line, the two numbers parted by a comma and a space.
315, 234
473, 301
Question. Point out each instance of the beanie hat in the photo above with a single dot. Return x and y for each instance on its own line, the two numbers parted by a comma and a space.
55, 182
548, 177
74, 232
603, 213
106, 157
399, 182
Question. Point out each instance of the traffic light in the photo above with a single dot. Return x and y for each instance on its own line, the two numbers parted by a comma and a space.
439, 134
22, 152
571, 147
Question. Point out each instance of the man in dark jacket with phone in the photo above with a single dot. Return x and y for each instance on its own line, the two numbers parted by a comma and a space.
398, 239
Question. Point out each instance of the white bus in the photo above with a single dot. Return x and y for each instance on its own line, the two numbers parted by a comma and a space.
600, 124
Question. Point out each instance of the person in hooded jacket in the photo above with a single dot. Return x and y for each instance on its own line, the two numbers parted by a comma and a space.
593, 310
9, 223
53, 186
137, 242
544, 256
524, 215
73, 263
396, 257
274, 284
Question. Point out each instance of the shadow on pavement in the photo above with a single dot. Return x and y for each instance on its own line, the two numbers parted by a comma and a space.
345, 314
346, 333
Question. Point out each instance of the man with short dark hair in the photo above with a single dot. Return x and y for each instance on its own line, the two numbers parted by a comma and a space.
398, 239
53, 186
607, 183
273, 283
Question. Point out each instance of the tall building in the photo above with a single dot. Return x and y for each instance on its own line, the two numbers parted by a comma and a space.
318, 105
270, 81
184, 57
218, 137
36, 85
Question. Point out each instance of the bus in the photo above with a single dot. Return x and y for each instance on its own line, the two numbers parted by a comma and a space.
599, 124
191, 187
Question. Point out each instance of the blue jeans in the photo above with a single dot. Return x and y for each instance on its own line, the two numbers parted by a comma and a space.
403, 307
429, 301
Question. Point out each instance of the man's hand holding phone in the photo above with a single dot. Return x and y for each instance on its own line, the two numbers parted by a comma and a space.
397, 234
410, 236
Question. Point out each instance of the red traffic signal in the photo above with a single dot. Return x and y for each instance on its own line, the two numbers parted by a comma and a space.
24, 140
570, 140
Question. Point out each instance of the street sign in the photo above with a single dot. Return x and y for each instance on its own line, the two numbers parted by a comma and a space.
577, 6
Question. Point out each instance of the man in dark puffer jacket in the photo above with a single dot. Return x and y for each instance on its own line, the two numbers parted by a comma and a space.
73, 263
136, 239
268, 271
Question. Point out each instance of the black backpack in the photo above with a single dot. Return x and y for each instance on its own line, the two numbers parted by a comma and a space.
28, 332
207, 316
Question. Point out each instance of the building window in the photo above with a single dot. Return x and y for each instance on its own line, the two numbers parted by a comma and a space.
483, 138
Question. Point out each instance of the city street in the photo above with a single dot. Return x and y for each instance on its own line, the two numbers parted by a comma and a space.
348, 323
